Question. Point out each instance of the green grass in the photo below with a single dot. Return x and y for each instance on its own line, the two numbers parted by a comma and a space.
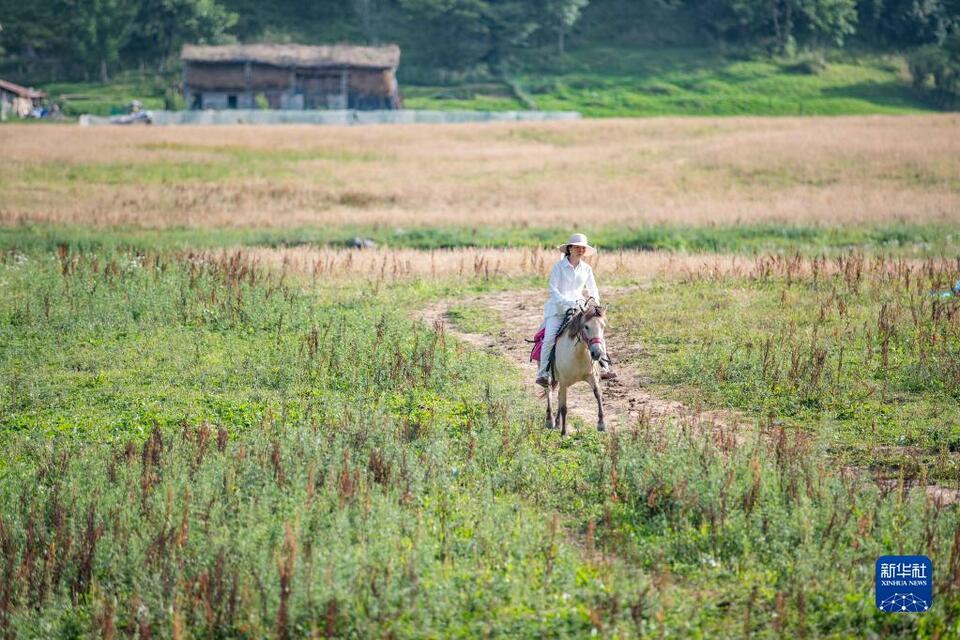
166, 171
474, 317
110, 98
184, 163
899, 239
865, 362
246, 155
214, 447
619, 82
116, 173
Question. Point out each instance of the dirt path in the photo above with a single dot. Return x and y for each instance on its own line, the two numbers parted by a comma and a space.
626, 402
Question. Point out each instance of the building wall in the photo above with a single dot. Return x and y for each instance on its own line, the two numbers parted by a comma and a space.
371, 82
13, 105
265, 78
209, 86
214, 76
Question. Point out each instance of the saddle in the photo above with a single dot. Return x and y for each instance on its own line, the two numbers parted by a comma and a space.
537, 351
538, 338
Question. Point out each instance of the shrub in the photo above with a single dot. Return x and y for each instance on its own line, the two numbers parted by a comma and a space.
937, 69
811, 63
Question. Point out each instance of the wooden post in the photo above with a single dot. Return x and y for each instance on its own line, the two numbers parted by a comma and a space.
185, 79
247, 75
292, 90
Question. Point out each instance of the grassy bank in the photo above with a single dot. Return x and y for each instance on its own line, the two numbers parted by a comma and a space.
913, 240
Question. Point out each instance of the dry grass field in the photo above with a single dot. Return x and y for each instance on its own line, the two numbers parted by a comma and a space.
692, 171
385, 265
390, 265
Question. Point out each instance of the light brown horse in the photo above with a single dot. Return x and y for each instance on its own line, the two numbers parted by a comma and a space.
578, 348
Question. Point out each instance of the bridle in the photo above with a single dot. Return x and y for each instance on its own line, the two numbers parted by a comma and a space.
587, 339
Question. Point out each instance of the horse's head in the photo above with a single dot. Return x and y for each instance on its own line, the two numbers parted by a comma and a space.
588, 327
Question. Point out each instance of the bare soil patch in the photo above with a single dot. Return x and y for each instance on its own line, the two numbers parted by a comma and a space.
626, 402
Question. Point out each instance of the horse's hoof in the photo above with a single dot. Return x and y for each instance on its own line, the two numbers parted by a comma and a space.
550, 424
601, 427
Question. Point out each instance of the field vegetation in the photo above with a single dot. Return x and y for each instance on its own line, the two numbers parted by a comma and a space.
217, 419
861, 352
199, 444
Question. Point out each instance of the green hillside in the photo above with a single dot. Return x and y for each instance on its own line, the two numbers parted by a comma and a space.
620, 81
599, 57
617, 82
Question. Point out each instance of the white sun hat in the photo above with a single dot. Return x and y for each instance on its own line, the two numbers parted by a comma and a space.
578, 240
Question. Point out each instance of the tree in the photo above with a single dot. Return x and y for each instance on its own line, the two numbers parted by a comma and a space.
33, 30
937, 67
102, 28
366, 11
464, 33
562, 15
825, 22
164, 26
908, 23
780, 24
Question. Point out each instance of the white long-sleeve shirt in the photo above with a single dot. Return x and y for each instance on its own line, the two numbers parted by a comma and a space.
566, 286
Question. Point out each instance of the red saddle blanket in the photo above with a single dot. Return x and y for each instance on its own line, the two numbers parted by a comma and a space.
537, 345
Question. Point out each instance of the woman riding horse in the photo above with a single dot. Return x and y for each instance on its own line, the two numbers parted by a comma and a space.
568, 279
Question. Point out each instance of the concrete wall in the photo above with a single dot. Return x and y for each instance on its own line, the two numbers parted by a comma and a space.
343, 117
286, 100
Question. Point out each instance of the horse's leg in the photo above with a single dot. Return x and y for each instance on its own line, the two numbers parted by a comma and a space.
556, 414
549, 409
562, 409
599, 397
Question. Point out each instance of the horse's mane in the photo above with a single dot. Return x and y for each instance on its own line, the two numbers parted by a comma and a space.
580, 318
